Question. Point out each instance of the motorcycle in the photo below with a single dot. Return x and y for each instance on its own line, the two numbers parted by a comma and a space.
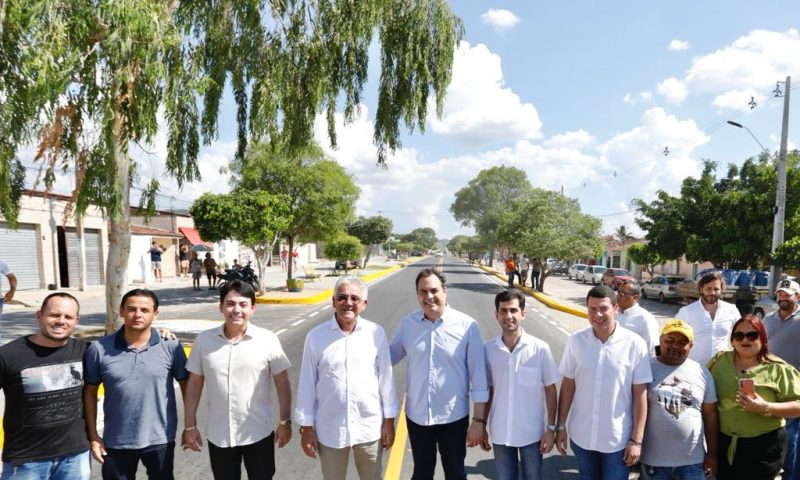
245, 274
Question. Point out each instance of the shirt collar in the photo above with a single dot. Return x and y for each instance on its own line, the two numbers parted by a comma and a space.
421, 315
524, 340
249, 332
334, 325
632, 309
121, 344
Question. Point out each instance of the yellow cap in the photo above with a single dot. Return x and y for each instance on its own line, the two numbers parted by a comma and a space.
678, 326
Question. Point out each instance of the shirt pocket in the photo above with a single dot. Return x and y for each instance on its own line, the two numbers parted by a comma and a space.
529, 376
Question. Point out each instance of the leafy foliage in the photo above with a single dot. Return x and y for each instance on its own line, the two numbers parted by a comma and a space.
344, 247
424, 238
371, 231
643, 254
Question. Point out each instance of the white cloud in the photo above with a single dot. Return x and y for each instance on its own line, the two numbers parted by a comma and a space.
673, 89
478, 108
645, 96
500, 19
678, 45
577, 139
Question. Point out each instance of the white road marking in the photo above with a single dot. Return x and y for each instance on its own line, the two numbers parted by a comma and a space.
298, 322
280, 331
563, 330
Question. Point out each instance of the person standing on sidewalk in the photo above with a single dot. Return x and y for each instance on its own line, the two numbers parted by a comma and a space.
441, 343
783, 333
42, 377
605, 371
183, 256
236, 361
155, 259
632, 316
536, 267
346, 398
710, 317
137, 368
197, 270
511, 270
522, 378
210, 266
12, 287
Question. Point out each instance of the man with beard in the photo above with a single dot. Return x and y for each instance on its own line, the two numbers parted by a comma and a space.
446, 366
783, 335
681, 412
137, 368
710, 318
41, 377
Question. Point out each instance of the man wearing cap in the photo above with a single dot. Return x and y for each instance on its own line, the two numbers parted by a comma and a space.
783, 336
681, 411
632, 316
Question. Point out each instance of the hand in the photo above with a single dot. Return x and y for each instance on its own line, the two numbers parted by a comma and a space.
98, 449
486, 445
191, 440
308, 440
283, 434
632, 454
387, 434
561, 442
475, 433
547, 442
166, 334
752, 405
710, 465
8, 296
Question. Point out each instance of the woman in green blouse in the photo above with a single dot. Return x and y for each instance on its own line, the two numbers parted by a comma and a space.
752, 440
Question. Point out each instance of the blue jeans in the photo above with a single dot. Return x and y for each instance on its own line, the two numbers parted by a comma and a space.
68, 467
684, 472
593, 465
513, 463
122, 463
791, 463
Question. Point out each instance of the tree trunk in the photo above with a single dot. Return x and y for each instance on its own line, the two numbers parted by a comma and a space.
119, 232
262, 252
290, 260
366, 260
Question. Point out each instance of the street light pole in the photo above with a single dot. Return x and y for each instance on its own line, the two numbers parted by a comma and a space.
780, 195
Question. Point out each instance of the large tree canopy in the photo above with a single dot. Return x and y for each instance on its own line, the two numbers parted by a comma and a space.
371, 231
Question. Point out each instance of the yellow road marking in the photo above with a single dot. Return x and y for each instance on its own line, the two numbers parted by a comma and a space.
395, 463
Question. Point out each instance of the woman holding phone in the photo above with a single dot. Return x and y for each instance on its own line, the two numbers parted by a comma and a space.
756, 392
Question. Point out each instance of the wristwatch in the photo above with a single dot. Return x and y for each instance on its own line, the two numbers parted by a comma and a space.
305, 428
286, 423
556, 428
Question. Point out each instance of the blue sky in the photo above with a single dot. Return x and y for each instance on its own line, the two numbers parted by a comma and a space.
572, 93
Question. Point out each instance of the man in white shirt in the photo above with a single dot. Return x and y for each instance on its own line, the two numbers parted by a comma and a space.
346, 398
235, 361
446, 366
711, 318
522, 378
632, 316
605, 371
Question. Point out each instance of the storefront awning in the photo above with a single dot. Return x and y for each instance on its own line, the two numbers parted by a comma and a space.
194, 238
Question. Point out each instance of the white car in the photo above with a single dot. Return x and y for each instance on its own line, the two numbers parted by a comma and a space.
594, 274
576, 270
764, 306
662, 287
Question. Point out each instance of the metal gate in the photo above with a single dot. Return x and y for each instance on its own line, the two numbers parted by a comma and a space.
20, 250
94, 257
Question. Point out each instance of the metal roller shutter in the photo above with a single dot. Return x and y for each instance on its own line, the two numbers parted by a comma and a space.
93, 257
20, 250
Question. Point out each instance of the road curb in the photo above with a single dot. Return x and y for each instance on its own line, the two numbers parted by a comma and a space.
539, 296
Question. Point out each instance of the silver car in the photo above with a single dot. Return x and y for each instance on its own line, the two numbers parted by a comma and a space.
576, 271
764, 306
662, 287
594, 274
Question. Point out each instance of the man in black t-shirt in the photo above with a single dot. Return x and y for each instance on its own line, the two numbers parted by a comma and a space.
42, 378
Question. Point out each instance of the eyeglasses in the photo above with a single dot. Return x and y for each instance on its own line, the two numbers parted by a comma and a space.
739, 336
344, 298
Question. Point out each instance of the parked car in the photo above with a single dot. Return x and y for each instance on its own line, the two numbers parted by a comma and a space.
614, 277
594, 274
662, 287
576, 270
558, 268
764, 306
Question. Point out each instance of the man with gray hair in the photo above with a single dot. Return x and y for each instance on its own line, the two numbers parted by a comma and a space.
632, 316
346, 398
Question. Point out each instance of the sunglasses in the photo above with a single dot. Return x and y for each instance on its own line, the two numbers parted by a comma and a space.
739, 336
344, 298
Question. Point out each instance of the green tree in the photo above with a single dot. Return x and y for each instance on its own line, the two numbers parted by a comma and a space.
458, 244
481, 203
545, 224
423, 237
254, 218
406, 247
371, 231
344, 247
643, 254
621, 233
321, 195
788, 254
70, 66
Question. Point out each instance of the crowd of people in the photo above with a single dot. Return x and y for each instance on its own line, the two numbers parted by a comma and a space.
703, 396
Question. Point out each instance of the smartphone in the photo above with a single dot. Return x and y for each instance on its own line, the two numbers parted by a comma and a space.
747, 387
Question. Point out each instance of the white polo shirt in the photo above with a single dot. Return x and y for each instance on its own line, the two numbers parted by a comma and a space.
517, 417
238, 383
643, 323
710, 336
346, 388
601, 416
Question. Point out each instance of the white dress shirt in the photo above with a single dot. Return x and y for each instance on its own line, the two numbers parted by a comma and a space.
517, 417
643, 323
446, 364
601, 416
238, 383
710, 336
346, 388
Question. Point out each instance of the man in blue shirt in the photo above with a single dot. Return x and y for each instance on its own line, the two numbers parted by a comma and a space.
446, 364
137, 368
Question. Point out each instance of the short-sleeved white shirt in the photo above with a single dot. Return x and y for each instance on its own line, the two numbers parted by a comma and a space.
517, 416
643, 323
710, 336
601, 416
5, 270
238, 378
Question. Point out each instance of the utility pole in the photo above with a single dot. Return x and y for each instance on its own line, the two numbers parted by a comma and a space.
780, 194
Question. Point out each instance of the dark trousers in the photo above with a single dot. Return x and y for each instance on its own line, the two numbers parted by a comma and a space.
757, 458
534, 279
121, 463
259, 460
450, 438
